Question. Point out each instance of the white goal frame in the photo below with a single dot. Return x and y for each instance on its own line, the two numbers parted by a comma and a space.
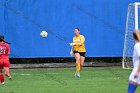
136, 4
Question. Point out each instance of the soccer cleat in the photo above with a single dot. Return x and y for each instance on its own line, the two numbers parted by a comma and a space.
75, 74
10, 78
78, 75
3, 83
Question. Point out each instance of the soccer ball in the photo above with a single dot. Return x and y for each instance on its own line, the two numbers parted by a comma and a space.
44, 34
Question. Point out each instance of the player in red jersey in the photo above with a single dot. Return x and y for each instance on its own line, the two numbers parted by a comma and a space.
4, 60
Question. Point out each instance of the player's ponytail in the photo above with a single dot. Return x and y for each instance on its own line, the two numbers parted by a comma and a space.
2, 39
136, 35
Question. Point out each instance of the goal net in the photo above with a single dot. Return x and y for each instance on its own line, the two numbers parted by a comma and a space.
132, 23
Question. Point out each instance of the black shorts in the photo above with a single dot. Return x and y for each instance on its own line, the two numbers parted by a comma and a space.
81, 53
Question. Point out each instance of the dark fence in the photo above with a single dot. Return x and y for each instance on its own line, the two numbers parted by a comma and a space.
64, 60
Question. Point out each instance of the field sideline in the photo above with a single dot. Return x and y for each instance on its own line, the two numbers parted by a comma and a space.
61, 80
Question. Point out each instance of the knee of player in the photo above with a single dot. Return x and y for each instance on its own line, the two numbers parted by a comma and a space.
6, 72
78, 60
82, 64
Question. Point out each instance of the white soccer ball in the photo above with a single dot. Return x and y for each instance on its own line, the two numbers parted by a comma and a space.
44, 34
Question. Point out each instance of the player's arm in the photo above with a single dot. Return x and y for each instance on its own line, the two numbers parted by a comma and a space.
138, 70
8, 49
139, 66
138, 51
82, 40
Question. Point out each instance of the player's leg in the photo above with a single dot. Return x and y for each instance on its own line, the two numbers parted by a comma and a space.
82, 59
77, 57
1, 77
7, 72
7, 69
1, 72
131, 88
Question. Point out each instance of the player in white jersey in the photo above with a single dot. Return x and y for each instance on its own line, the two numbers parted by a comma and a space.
134, 78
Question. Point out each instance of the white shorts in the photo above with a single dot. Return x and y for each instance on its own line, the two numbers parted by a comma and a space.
134, 80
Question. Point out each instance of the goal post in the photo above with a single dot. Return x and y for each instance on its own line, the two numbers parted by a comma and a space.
132, 23
137, 5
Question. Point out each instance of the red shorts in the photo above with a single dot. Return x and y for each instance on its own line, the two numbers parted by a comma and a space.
4, 63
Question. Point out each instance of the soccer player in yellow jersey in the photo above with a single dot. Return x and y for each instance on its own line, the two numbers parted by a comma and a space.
79, 50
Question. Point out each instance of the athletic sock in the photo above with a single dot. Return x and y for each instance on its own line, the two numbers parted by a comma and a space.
131, 88
1, 78
78, 67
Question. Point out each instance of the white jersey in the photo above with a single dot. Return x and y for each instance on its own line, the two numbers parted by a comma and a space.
136, 61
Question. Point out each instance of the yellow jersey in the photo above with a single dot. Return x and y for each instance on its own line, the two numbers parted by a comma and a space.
79, 43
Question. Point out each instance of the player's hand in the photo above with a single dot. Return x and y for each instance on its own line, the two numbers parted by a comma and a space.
136, 75
71, 53
72, 44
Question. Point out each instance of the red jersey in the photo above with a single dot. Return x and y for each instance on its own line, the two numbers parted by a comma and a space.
4, 50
